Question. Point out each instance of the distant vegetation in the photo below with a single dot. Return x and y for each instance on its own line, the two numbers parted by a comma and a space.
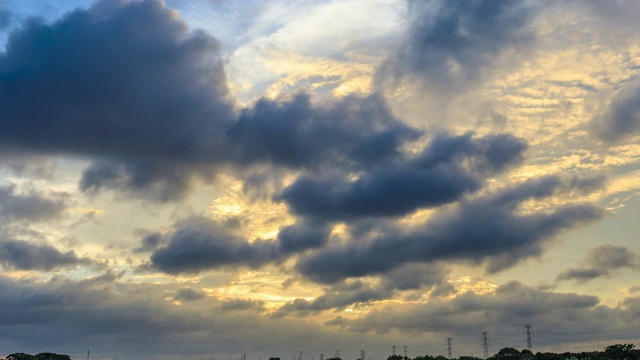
41, 356
611, 352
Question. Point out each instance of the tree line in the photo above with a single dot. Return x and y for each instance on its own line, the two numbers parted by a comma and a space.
611, 352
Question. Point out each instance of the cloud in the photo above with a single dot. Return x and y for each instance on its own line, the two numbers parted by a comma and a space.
30, 205
200, 244
243, 305
189, 294
448, 168
153, 113
620, 118
5, 19
489, 230
600, 261
357, 293
338, 297
451, 42
22, 255
303, 235
140, 103
350, 131
511, 303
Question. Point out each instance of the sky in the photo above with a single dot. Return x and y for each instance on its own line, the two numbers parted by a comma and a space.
211, 178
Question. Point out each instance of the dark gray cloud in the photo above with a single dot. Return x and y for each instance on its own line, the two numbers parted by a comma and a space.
140, 99
189, 294
357, 293
303, 235
152, 111
150, 242
415, 276
23, 255
31, 205
351, 131
487, 230
338, 297
450, 42
620, 119
448, 168
200, 244
600, 262
243, 305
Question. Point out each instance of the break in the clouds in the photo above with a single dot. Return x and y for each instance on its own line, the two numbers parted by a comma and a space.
600, 261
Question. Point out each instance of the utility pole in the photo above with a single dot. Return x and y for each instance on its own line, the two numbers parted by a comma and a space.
485, 344
394, 350
449, 348
405, 352
528, 332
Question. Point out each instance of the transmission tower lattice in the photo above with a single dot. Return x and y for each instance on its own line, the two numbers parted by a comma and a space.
485, 344
528, 332
449, 348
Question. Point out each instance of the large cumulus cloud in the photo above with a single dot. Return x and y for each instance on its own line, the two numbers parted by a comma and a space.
97, 84
150, 107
